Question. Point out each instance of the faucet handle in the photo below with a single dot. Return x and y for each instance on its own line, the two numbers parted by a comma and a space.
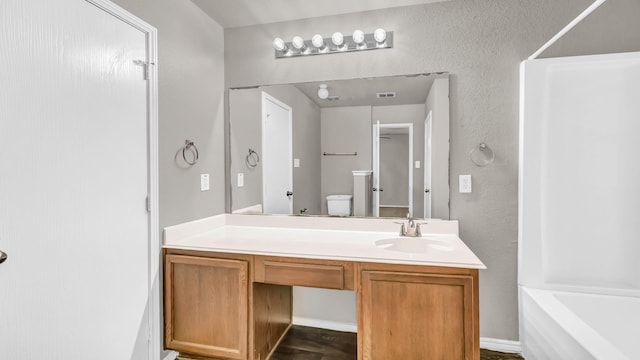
418, 232
403, 228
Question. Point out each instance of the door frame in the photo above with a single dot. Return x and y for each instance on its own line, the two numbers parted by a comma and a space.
376, 162
428, 151
153, 304
265, 159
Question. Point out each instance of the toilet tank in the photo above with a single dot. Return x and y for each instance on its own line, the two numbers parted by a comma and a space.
339, 205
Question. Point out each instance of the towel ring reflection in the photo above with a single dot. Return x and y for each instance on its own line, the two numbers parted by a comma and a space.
189, 146
482, 155
252, 159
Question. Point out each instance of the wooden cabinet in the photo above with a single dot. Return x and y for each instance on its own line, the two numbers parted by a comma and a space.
410, 313
206, 310
327, 274
233, 306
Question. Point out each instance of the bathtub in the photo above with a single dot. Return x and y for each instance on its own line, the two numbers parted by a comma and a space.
559, 325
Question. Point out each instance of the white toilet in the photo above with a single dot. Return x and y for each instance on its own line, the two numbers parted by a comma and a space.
339, 205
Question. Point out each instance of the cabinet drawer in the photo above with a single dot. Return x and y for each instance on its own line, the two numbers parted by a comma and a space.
305, 273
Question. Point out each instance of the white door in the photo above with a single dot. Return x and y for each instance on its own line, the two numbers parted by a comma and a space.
277, 159
74, 176
427, 165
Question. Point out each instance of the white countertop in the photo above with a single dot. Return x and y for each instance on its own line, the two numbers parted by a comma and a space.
321, 238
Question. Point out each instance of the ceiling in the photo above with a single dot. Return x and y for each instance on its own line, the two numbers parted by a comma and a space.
409, 89
238, 13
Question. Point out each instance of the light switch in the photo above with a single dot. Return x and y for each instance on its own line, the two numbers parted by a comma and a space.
465, 184
240, 179
418, 164
296, 163
204, 182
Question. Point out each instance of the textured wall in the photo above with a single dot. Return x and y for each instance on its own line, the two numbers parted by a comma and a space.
612, 28
191, 98
481, 44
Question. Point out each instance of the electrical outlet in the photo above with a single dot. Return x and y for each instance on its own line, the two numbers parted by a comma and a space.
465, 184
204, 182
296, 163
418, 164
240, 180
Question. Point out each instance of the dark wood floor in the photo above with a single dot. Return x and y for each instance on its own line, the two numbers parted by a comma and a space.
306, 343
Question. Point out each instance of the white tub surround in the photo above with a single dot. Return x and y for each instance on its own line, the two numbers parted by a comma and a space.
578, 208
564, 325
320, 238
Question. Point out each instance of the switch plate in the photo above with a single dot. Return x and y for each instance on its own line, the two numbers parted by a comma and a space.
240, 179
296, 163
418, 164
465, 184
204, 182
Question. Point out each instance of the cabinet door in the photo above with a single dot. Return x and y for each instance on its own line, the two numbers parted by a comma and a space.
206, 306
417, 316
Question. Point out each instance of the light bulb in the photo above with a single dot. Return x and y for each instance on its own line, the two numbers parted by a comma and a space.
318, 41
298, 43
279, 45
358, 37
338, 39
323, 93
380, 35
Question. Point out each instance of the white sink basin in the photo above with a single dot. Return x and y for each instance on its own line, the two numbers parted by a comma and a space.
414, 244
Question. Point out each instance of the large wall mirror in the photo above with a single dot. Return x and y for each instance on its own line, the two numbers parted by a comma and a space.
361, 147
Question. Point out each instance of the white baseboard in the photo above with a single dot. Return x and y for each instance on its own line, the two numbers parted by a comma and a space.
169, 355
324, 324
507, 346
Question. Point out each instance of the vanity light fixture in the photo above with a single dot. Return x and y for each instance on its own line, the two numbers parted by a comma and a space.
358, 39
298, 43
380, 35
281, 47
337, 43
318, 42
338, 40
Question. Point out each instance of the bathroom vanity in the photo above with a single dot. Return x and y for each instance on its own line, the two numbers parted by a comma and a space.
228, 285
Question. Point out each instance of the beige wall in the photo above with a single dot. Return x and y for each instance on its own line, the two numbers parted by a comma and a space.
191, 98
481, 43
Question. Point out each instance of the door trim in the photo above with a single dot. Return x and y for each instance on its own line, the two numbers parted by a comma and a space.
153, 305
428, 152
266, 97
376, 160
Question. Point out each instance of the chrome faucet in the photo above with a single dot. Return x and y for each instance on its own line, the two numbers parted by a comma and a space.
411, 228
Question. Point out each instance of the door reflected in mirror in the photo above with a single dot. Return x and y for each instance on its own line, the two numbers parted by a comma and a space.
381, 143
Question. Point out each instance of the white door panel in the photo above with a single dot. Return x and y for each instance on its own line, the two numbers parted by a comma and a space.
73, 181
277, 156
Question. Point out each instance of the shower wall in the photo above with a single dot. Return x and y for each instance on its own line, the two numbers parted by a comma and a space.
580, 199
